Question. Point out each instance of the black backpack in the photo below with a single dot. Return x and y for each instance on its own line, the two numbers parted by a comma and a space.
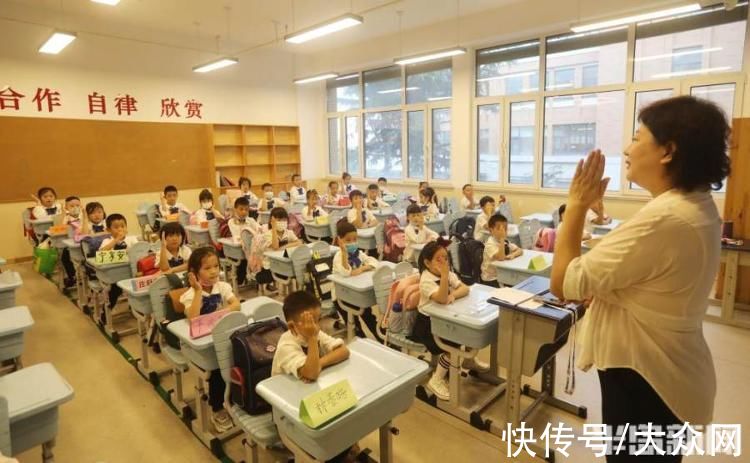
253, 348
470, 255
175, 282
462, 228
319, 269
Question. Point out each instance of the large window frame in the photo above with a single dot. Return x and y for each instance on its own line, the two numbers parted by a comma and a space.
679, 86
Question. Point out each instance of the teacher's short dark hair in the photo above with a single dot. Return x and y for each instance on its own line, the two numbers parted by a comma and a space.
700, 133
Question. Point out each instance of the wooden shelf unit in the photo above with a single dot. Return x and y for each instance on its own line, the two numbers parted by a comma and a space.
263, 153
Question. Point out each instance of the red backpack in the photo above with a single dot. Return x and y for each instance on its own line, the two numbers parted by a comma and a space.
395, 240
147, 265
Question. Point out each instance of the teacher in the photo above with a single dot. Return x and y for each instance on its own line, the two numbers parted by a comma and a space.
649, 279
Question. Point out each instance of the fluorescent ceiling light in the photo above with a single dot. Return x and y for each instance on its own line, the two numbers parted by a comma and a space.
636, 18
348, 76
430, 56
679, 53
57, 41
217, 64
328, 27
691, 72
397, 90
438, 98
304, 80
107, 2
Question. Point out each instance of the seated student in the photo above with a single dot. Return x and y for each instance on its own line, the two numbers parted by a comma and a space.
46, 203
422, 185
488, 208
207, 210
117, 227
313, 210
174, 253
245, 185
497, 247
94, 220
437, 284
374, 200
206, 295
72, 218
297, 193
358, 215
332, 197
239, 222
561, 211
596, 216
416, 232
268, 202
383, 187
428, 203
278, 236
169, 204
467, 201
347, 186
351, 261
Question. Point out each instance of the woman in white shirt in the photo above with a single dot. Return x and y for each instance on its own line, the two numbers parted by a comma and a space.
649, 280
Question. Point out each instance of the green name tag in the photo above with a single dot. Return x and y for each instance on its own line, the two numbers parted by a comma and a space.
323, 406
111, 257
538, 263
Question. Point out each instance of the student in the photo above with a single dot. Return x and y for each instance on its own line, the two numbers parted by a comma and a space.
497, 248
238, 223
561, 212
117, 227
174, 253
332, 197
245, 185
383, 187
203, 268
428, 203
348, 187
313, 210
94, 220
73, 212
358, 215
467, 201
488, 208
436, 284
416, 232
422, 185
596, 216
351, 261
277, 237
374, 201
297, 192
46, 203
268, 202
169, 204
207, 210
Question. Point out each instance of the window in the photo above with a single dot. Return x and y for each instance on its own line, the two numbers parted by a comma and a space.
343, 93
415, 144
723, 96
704, 42
488, 143
575, 127
498, 64
383, 87
429, 81
522, 116
585, 54
382, 133
352, 145
441, 144
334, 163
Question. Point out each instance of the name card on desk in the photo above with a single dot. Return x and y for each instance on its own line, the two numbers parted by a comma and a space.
323, 406
58, 230
538, 263
144, 282
114, 256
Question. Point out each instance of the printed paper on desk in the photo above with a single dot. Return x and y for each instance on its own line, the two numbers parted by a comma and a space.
58, 230
323, 406
202, 325
144, 282
114, 256
516, 297
321, 220
538, 263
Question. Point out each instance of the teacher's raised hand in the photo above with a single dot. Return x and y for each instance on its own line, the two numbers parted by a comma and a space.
588, 186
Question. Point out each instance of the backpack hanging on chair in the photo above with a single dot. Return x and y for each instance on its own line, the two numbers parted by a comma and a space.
395, 240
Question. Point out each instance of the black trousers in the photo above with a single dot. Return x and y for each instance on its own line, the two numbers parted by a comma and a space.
242, 271
628, 399
422, 333
216, 387
114, 293
367, 317
70, 270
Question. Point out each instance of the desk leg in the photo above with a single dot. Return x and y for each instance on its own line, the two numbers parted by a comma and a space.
513, 404
349, 326
201, 404
453, 378
547, 394
386, 443
730, 285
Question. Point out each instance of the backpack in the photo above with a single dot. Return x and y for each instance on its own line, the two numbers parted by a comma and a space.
403, 299
253, 348
224, 230
545, 239
147, 265
319, 269
294, 223
470, 255
462, 228
94, 242
258, 246
395, 240
175, 282
344, 202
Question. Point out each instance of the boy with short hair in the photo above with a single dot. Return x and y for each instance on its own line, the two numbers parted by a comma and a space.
117, 227
468, 202
351, 261
416, 232
268, 202
358, 215
241, 220
383, 186
348, 186
488, 208
297, 192
169, 204
374, 201
497, 248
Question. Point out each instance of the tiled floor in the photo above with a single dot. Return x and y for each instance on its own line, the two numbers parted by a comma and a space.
116, 416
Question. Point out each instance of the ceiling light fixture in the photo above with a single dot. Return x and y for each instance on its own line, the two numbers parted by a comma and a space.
327, 27
107, 2
315, 78
216, 64
56, 42
636, 18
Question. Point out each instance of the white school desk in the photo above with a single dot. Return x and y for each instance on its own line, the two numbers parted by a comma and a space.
390, 199
198, 236
382, 214
42, 225
335, 207
317, 231
10, 281
355, 294
383, 380
514, 271
232, 249
472, 212
606, 228
110, 274
14, 322
545, 219
366, 239
281, 265
733, 257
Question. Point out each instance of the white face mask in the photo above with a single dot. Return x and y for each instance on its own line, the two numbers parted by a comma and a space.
208, 205
281, 226
75, 211
268, 194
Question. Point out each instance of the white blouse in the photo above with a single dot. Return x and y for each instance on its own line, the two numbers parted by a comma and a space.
650, 280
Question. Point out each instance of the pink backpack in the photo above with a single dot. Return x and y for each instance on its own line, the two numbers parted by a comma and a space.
258, 246
395, 240
294, 223
545, 240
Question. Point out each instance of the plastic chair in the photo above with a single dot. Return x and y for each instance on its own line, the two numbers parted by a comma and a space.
321, 248
300, 256
382, 281
379, 239
556, 217
506, 211
527, 230
453, 206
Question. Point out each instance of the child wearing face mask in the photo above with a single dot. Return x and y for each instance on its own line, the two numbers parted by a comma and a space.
268, 202
206, 295
278, 236
207, 210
